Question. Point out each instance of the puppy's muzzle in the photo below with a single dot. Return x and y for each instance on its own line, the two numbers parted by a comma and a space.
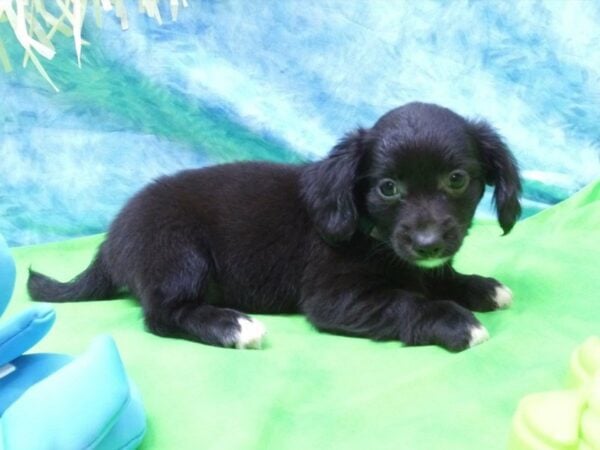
429, 246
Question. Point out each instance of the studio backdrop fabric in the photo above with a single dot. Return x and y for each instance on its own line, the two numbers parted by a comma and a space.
284, 80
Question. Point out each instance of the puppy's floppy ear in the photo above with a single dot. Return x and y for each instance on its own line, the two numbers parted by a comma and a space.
501, 171
328, 188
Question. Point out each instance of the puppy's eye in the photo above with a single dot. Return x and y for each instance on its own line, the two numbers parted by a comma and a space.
457, 180
389, 188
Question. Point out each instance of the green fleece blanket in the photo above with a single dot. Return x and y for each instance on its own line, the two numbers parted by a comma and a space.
308, 390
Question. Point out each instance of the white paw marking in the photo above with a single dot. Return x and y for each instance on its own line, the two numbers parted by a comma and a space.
503, 296
251, 334
478, 335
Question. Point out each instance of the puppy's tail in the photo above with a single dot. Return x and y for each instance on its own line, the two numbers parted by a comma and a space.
94, 283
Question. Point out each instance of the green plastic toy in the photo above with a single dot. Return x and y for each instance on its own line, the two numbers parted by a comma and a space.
567, 419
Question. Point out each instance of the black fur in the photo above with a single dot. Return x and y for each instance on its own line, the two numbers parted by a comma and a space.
321, 239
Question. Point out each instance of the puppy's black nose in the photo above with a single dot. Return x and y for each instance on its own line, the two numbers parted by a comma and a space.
427, 244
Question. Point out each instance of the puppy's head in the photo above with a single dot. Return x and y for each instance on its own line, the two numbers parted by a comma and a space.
412, 181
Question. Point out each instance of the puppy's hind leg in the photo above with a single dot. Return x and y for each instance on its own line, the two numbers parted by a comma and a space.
175, 304
210, 325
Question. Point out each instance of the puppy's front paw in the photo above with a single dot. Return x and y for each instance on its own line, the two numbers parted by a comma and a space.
485, 294
478, 335
503, 296
251, 333
448, 325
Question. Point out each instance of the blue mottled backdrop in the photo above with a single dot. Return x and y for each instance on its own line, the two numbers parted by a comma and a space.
282, 80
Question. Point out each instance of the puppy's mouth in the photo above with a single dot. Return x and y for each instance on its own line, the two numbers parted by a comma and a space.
432, 260
431, 263
405, 251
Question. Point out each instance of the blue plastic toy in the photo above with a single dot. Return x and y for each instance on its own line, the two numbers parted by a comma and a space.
54, 401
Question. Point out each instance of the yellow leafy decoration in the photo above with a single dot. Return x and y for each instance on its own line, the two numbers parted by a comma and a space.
34, 27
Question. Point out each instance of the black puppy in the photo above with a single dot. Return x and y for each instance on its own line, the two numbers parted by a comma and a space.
360, 242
